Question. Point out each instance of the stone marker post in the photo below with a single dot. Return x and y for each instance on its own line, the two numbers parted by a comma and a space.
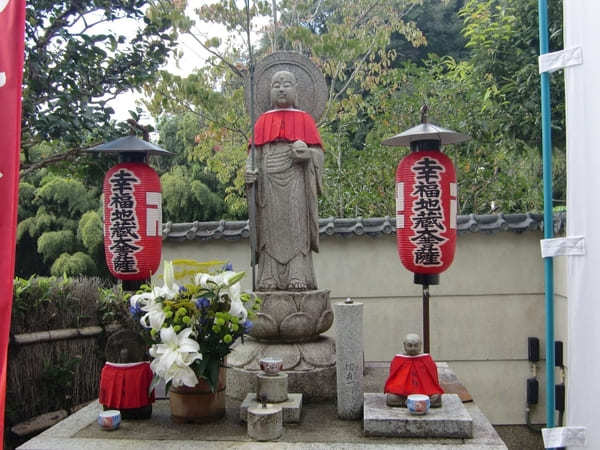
349, 358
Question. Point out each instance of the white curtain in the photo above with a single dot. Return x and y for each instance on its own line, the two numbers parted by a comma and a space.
582, 29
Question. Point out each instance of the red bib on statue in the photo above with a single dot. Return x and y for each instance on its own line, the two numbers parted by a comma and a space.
413, 375
286, 125
125, 386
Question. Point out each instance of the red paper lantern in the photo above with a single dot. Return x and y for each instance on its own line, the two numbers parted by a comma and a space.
132, 221
426, 209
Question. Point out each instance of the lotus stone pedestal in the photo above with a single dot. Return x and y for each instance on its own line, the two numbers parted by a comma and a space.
288, 327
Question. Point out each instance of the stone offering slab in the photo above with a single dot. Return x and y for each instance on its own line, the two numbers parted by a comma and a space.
451, 420
292, 408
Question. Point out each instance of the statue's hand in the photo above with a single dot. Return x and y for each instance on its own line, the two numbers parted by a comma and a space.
251, 176
300, 151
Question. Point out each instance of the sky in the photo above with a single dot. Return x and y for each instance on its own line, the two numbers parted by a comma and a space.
194, 57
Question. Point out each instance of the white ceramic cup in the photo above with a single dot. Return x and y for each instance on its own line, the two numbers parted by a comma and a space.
271, 366
109, 419
418, 404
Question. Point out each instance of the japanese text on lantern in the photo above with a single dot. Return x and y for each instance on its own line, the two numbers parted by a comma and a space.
124, 227
427, 213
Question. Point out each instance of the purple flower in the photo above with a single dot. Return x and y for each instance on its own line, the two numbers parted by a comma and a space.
202, 302
247, 326
182, 289
228, 267
135, 311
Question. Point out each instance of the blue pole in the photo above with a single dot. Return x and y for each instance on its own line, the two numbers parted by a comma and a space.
548, 224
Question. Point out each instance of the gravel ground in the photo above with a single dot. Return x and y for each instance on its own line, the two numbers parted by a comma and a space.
519, 437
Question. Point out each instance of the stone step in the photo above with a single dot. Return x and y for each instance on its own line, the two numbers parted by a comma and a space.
451, 420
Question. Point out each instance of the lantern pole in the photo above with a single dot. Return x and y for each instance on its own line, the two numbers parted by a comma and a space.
252, 188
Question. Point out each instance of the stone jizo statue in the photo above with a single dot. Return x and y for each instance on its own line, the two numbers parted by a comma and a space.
413, 373
287, 172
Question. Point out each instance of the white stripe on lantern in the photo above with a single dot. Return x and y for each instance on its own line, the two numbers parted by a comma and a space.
453, 212
399, 196
453, 190
399, 220
153, 214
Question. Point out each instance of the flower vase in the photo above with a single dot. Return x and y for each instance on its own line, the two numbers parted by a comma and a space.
198, 404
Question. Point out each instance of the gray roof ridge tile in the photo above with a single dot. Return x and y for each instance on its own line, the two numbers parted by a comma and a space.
358, 226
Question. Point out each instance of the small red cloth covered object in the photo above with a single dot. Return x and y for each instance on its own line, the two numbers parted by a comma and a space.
286, 125
413, 375
125, 386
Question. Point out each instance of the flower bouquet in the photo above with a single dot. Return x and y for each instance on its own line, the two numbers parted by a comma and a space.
193, 325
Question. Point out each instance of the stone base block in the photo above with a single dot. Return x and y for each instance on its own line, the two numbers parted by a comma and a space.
310, 367
292, 407
265, 424
451, 420
273, 387
316, 385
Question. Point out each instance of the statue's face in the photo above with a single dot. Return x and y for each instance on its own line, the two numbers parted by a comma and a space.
412, 345
283, 90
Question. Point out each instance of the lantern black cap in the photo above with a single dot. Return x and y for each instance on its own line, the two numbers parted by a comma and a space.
130, 144
425, 132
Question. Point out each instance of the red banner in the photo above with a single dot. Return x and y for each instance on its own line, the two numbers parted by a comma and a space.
12, 30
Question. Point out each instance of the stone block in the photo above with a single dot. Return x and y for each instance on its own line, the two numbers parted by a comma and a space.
349, 354
273, 387
292, 408
451, 420
265, 423
39, 423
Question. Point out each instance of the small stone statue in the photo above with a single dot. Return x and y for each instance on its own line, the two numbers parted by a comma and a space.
413, 373
287, 173
126, 376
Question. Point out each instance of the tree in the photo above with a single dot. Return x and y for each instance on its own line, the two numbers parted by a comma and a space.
61, 230
74, 66
349, 41
441, 26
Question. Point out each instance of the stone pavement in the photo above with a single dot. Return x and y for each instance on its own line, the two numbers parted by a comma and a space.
319, 429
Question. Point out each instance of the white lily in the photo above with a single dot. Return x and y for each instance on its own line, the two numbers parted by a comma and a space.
174, 355
206, 280
141, 300
169, 289
154, 317
234, 293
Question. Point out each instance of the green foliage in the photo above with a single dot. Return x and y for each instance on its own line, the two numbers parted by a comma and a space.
57, 379
64, 194
78, 263
63, 223
90, 232
441, 26
186, 199
50, 303
348, 40
51, 244
72, 68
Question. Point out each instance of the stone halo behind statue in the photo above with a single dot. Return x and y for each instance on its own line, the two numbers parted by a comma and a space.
311, 85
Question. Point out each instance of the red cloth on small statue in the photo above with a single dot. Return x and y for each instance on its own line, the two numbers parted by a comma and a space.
125, 386
413, 375
286, 125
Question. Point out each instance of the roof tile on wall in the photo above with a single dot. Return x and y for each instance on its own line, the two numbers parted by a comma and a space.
376, 226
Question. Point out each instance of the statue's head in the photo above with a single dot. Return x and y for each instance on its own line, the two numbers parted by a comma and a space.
283, 90
412, 344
